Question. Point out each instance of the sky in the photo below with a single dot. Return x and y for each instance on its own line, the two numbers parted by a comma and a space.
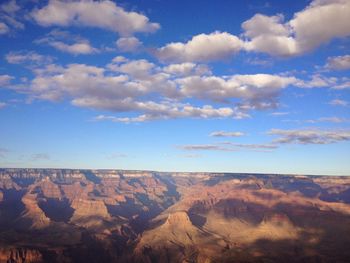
215, 86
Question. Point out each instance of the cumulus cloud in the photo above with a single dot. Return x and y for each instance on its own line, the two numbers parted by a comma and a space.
101, 14
310, 136
187, 68
338, 102
317, 24
226, 134
3, 28
166, 110
9, 17
84, 83
5, 79
269, 35
147, 91
154, 92
318, 81
255, 88
201, 48
338, 63
123, 86
66, 42
77, 48
128, 44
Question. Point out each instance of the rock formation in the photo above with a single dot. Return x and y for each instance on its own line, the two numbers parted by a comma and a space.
57, 215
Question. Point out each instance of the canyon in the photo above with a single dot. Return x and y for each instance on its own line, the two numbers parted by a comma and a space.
71, 215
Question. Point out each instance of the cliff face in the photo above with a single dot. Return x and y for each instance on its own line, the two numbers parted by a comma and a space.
53, 215
20, 255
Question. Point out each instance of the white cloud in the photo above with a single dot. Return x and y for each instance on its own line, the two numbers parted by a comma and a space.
310, 136
24, 57
10, 7
320, 22
187, 68
328, 119
317, 24
201, 48
252, 146
152, 92
67, 42
119, 59
280, 113
167, 110
342, 85
39, 157
268, 35
76, 48
9, 17
205, 147
128, 44
338, 102
338, 63
226, 134
229, 147
145, 91
3, 152
258, 87
317, 81
101, 14
5, 79
3, 28
2, 105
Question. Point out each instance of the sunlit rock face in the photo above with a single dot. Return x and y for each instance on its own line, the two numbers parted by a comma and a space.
54, 215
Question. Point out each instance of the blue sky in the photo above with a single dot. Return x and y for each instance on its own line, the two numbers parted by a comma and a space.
234, 86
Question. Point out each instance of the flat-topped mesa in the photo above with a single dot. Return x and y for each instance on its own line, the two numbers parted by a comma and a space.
89, 208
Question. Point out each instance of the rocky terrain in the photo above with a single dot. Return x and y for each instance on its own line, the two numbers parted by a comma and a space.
53, 215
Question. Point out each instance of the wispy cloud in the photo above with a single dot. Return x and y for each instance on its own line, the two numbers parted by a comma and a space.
28, 58
229, 147
339, 102
280, 113
116, 155
309, 136
205, 147
3, 104
328, 119
40, 157
226, 134
3, 152
338, 63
